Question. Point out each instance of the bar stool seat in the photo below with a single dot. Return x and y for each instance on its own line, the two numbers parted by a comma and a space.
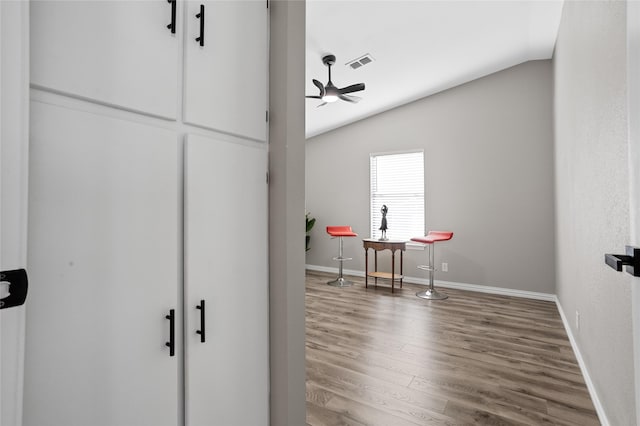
340, 232
430, 239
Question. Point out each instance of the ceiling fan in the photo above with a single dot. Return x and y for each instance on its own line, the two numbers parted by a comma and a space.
331, 93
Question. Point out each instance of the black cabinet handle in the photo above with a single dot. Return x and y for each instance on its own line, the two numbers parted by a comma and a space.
172, 25
172, 332
631, 259
201, 16
201, 331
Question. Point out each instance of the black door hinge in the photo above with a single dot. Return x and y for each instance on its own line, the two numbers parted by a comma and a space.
13, 288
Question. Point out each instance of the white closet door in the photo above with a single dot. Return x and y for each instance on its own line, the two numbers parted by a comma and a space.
104, 227
115, 52
227, 376
226, 79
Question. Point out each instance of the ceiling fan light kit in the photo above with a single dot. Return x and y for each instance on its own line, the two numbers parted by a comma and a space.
330, 93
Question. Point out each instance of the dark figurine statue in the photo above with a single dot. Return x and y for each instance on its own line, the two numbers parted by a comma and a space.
383, 224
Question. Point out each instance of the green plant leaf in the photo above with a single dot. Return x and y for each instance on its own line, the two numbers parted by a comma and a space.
310, 223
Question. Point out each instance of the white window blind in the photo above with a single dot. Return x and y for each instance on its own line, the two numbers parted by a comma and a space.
397, 181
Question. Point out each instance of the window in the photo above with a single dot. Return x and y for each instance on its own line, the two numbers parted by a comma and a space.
397, 181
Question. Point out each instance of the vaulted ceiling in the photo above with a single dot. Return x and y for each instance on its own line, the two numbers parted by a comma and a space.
418, 48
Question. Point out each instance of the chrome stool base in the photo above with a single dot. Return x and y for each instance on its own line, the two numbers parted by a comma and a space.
340, 232
430, 239
431, 294
340, 282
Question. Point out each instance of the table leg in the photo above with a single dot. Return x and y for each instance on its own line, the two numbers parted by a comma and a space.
393, 267
401, 273
366, 267
376, 270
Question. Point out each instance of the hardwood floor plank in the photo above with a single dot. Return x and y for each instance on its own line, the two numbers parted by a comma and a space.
392, 406
378, 358
571, 415
367, 414
317, 396
321, 416
502, 367
354, 365
469, 415
368, 388
484, 396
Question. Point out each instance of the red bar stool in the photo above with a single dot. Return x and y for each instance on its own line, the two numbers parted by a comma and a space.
340, 232
430, 239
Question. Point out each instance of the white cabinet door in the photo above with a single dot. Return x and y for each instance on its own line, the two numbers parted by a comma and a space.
118, 53
225, 81
104, 228
227, 375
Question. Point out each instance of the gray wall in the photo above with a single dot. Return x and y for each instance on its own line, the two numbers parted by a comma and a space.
286, 208
592, 195
488, 178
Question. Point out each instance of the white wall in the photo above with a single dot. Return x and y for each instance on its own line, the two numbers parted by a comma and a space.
592, 195
488, 178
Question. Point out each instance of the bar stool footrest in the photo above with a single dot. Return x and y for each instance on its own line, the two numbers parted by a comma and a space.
342, 258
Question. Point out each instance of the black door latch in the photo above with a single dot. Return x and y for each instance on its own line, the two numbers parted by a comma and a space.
13, 288
631, 260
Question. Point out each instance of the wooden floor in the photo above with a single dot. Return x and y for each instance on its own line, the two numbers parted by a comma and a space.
376, 358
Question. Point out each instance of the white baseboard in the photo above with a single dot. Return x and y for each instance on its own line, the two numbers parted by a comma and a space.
602, 416
507, 292
485, 289
449, 284
331, 270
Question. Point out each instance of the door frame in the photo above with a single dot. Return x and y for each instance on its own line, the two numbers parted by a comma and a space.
14, 122
633, 99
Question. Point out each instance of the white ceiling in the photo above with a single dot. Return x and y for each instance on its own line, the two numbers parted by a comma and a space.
419, 48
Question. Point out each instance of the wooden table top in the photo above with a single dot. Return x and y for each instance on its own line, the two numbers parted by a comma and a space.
384, 245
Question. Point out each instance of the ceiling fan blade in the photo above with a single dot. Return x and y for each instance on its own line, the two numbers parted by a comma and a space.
353, 88
350, 98
322, 104
319, 86
314, 97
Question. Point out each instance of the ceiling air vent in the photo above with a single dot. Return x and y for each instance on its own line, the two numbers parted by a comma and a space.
361, 61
